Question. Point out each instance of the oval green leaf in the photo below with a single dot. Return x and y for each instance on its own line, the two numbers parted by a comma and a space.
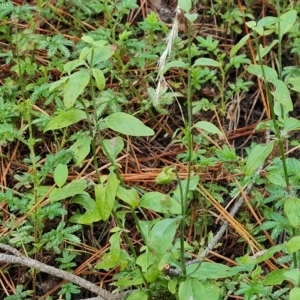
292, 211
257, 157
206, 62
65, 119
127, 124
209, 127
74, 86
60, 175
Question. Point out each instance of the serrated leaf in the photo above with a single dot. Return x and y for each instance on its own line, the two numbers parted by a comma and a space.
209, 127
60, 175
66, 119
99, 78
127, 124
257, 157
206, 62
75, 187
74, 86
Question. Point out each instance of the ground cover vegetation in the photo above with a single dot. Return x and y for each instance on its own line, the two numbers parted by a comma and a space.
149, 149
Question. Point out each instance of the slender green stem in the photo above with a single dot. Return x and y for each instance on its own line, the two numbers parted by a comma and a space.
275, 124
113, 163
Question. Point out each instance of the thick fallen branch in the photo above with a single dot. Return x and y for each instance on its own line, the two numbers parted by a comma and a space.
18, 258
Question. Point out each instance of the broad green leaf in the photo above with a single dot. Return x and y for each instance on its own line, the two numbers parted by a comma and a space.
127, 124
130, 196
114, 146
84, 52
173, 64
293, 276
291, 124
265, 50
275, 277
292, 211
74, 86
152, 273
132, 279
293, 245
99, 78
267, 21
287, 20
145, 260
192, 289
73, 188
270, 73
100, 54
206, 62
138, 295
105, 196
191, 17
172, 285
60, 175
209, 127
154, 201
185, 5
71, 65
165, 176
276, 178
239, 45
251, 24
209, 270
91, 215
112, 258
257, 157
295, 293
282, 94
65, 119
161, 237
295, 81
87, 39
58, 83
262, 256
212, 291
81, 149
